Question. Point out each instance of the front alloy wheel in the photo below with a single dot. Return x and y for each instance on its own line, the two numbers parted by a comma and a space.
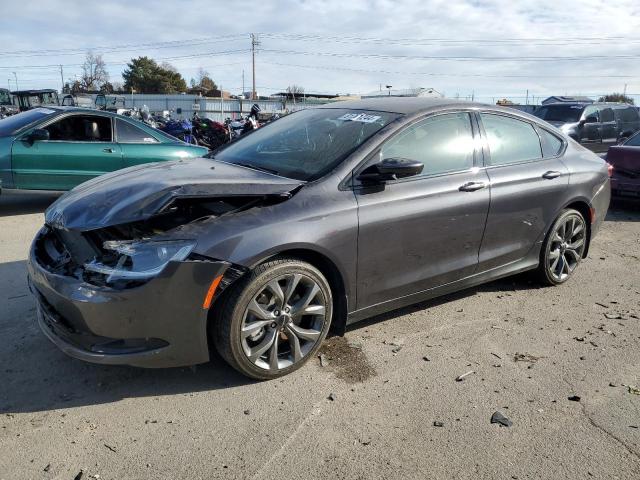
564, 247
274, 320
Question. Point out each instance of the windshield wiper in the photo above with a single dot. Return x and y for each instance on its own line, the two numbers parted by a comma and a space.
255, 167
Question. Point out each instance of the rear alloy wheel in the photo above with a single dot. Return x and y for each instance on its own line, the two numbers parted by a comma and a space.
563, 248
274, 320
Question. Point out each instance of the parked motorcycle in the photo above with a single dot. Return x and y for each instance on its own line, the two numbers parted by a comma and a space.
182, 129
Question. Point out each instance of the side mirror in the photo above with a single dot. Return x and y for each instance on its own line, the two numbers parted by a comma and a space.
591, 119
38, 135
391, 169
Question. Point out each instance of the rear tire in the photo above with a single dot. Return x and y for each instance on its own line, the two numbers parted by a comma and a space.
274, 320
563, 248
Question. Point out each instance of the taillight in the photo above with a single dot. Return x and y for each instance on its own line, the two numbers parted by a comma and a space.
609, 169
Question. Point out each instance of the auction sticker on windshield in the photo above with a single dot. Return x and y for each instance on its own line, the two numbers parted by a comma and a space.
359, 117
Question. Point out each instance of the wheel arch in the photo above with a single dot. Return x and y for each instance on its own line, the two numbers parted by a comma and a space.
332, 273
584, 208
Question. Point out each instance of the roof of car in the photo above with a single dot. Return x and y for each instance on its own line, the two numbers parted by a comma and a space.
403, 105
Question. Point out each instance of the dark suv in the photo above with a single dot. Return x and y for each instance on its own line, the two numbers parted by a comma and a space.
595, 122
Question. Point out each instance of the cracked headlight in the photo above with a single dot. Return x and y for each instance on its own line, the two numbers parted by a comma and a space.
139, 259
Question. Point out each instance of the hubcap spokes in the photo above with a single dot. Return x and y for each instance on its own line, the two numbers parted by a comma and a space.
566, 247
283, 321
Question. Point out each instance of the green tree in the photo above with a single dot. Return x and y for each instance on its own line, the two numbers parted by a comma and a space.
144, 75
616, 97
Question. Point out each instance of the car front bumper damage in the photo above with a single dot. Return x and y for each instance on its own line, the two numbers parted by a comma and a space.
162, 323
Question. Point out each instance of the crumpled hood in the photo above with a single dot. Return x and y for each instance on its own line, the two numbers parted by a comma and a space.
137, 193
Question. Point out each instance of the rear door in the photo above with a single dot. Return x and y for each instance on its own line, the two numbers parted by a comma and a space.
609, 125
80, 147
423, 231
528, 181
591, 130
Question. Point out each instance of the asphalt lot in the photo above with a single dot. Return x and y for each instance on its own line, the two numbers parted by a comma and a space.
392, 377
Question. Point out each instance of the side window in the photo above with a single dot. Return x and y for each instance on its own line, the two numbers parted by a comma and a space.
606, 115
510, 140
81, 128
551, 145
128, 133
444, 143
589, 111
629, 114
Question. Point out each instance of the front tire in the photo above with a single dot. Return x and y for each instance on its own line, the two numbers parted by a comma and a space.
273, 321
563, 248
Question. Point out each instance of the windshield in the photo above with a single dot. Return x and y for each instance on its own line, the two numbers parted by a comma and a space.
306, 145
560, 113
5, 98
15, 123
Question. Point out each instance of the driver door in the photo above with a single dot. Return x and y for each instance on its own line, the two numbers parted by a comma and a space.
420, 232
79, 148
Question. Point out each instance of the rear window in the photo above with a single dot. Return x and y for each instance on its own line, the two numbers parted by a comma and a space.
13, 124
510, 140
633, 141
128, 133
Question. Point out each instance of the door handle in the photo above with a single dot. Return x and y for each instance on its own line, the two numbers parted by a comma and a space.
551, 174
108, 150
472, 186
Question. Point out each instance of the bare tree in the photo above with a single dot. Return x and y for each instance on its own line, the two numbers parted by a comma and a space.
94, 72
295, 91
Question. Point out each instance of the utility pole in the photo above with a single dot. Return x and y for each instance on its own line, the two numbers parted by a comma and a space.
243, 82
625, 89
61, 80
254, 43
527, 100
16, 77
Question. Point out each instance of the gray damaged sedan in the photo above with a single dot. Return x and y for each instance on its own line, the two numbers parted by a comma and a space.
320, 219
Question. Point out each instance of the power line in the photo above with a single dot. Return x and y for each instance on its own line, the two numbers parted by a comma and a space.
120, 48
432, 74
452, 58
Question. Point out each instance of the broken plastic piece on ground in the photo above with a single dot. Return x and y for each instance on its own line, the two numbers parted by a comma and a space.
500, 419
633, 389
461, 377
574, 398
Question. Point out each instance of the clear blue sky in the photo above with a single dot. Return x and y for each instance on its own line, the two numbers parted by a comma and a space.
491, 48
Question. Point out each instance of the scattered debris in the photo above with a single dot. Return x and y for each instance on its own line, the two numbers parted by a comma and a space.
79, 475
499, 328
323, 360
613, 316
110, 448
574, 398
611, 384
579, 339
633, 389
247, 412
500, 419
332, 397
397, 349
602, 305
496, 355
346, 361
525, 357
436, 423
426, 359
46, 469
459, 378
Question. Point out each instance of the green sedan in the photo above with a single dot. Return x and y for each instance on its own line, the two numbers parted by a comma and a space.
57, 148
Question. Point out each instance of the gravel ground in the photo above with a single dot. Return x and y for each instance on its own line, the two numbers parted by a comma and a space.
372, 409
